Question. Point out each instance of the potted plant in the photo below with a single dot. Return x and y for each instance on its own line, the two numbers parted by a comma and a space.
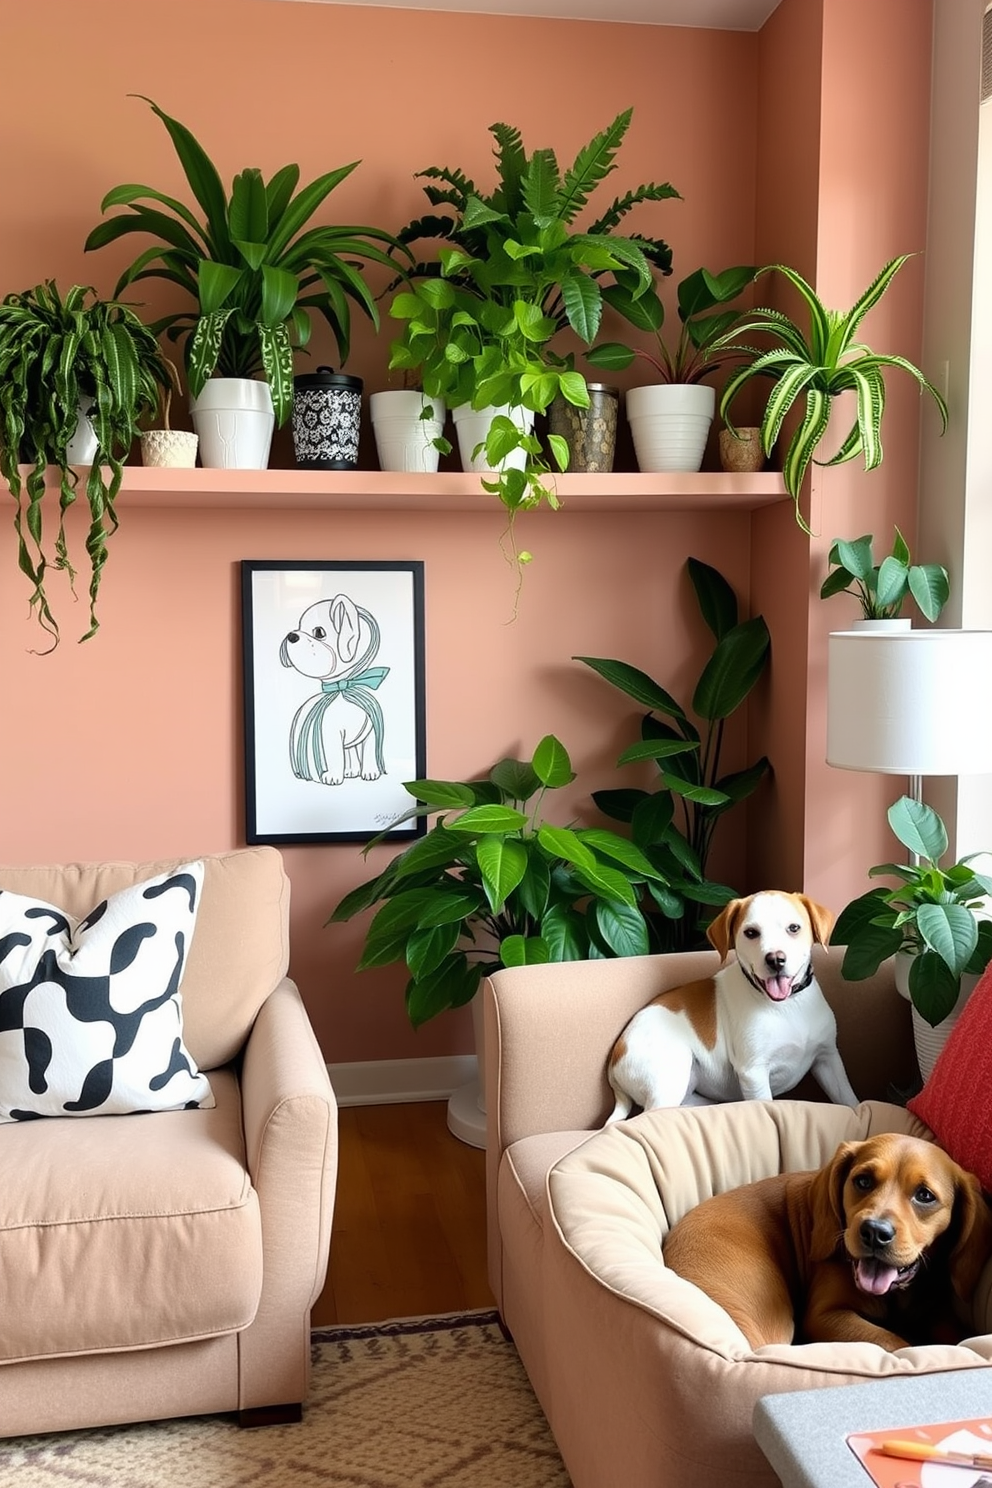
933, 922
670, 419
817, 366
674, 824
494, 884
256, 268
77, 374
881, 589
513, 272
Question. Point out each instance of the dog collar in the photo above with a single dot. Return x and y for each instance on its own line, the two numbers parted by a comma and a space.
372, 678
799, 985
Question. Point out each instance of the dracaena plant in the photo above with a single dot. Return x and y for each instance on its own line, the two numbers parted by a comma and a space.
694, 354
60, 353
514, 270
255, 264
881, 589
674, 824
937, 915
812, 368
493, 883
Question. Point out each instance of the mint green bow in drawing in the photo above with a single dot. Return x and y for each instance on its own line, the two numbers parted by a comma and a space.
309, 743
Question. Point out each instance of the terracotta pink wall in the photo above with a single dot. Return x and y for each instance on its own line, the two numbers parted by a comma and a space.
130, 746
837, 79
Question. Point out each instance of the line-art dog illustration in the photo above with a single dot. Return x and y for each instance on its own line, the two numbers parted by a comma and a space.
337, 734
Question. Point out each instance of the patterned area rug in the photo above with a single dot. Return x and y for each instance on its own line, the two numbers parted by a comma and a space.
417, 1403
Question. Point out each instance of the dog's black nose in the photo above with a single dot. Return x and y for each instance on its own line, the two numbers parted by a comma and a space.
775, 960
293, 637
877, 1233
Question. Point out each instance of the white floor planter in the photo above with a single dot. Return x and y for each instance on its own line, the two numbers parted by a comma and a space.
472, 426
669, 424
467, 1105
930, 1039
233, 419
403, 439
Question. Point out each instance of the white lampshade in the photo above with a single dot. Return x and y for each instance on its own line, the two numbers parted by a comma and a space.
912, 702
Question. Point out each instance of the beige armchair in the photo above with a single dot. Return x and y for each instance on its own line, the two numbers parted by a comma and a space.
644, 1380
165, 1263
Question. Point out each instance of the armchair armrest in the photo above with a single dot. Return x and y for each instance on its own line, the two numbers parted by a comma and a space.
290, 1121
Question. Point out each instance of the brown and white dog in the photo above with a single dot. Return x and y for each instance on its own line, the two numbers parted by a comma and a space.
883, 1245
750, 1031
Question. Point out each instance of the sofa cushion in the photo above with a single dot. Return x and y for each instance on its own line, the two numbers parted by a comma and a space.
91, 1018
956, 1101
124, 1238
239, 953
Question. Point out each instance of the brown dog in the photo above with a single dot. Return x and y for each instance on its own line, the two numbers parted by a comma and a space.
883, 1245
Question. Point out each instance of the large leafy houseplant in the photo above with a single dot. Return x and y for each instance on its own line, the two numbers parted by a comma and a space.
881, 589
493, 883
255, 264
61, 354
934, 914
699, 348
674, 824
513, 272
816, 366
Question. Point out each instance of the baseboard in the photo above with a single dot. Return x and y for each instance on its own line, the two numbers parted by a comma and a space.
387, 1082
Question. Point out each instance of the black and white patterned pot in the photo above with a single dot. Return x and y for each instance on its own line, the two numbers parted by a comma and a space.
327, 415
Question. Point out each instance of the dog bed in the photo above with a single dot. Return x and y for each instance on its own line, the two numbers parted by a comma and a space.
648, 1353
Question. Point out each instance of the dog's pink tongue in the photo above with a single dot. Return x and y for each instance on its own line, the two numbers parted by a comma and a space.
778, 988
874, 1276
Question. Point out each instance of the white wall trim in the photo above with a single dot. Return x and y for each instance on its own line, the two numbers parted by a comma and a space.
387, 1082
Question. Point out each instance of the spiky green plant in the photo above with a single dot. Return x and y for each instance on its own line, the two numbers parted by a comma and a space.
512, 273
818, 366
254, 265
55, 352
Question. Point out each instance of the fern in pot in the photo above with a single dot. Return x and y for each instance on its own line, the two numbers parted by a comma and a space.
70, 363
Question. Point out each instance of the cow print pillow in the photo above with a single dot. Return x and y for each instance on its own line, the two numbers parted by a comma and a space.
91, 1018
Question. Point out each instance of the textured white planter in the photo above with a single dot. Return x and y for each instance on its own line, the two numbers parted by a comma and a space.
929, 1040
472, 426
81, 448
174, 448
403, 439
233, 419
670, 423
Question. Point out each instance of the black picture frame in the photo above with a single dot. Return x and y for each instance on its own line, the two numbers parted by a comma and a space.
334, 699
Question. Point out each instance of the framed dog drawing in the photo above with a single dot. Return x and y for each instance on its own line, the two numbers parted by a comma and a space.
334, 708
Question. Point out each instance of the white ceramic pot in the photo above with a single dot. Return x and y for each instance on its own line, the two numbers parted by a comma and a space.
670, 423
174, 448
81, 448
404, 439
234, 420
930, 1039
472, 426
883, 627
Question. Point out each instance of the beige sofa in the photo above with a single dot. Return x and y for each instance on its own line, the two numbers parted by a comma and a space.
644, 1380
165, 1263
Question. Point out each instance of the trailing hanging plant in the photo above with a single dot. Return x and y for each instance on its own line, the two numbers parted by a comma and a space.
674, 824
494, 884
255, 265
816, 366
513, 273
56, 354
881, 589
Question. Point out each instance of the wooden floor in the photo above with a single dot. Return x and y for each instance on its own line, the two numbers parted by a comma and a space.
409, 1231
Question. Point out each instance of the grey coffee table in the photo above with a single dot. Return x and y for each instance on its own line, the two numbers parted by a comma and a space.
803, 1433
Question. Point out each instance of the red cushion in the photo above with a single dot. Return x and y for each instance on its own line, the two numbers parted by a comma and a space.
956, 1101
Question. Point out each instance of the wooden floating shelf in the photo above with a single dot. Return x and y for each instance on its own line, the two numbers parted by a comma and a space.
377, 490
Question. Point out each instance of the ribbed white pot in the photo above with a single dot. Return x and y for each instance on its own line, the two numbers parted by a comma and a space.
233, 419
930, 1039
669, 424
403, 437
472, 426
